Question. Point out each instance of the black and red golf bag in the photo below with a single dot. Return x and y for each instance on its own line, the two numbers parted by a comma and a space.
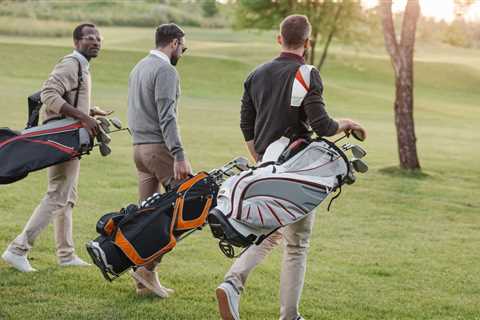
40, 147
136, 236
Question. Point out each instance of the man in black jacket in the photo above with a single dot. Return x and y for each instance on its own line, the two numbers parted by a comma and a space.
268, 111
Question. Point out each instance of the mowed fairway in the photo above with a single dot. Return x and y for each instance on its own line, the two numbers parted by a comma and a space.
394, 246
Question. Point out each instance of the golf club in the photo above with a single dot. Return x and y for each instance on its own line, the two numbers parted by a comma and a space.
359, 165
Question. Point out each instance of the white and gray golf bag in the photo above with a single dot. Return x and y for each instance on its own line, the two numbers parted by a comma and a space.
290, 182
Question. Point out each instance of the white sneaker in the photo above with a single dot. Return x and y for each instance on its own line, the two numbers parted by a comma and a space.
149, 280
18, 262
74, 262
228, 298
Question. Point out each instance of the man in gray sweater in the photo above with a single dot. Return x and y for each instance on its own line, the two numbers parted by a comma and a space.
153, 93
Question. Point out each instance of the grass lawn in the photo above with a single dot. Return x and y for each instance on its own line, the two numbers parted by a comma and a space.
395, 246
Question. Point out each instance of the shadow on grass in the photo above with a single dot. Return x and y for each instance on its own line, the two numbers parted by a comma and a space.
395, 171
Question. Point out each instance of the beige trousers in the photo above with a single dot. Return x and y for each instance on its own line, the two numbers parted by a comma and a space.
56, 205
296, 239
155, 169
154, 166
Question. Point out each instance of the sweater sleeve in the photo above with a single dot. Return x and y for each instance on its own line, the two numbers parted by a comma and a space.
62, 79
314, 107
247, 112
165, 99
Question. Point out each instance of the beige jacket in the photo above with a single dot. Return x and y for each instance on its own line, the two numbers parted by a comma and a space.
61, 84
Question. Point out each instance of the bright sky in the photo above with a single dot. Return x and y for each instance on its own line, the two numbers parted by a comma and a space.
438, 9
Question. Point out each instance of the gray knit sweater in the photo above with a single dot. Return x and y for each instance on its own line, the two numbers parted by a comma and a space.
153, 93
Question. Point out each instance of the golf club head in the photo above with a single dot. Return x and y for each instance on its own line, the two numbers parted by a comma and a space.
358, 134
116, 122
359, 165
104, 124
358, 152
350, 178
241, 163
104, 149
102, 137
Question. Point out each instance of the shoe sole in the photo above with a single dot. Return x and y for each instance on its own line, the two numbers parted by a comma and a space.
223, 305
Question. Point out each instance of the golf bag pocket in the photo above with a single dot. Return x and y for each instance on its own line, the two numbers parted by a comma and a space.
143, 234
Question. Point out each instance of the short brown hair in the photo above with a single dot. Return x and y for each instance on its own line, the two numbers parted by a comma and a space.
295, 29
166, 33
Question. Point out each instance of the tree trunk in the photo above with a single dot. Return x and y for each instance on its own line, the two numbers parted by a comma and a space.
313, 43
402, 61
330, 36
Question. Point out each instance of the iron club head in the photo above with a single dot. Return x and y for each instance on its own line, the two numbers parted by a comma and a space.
359, 165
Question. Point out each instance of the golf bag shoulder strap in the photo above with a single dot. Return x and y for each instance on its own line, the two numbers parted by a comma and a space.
301, 85
79, 81
300, 89
35, 102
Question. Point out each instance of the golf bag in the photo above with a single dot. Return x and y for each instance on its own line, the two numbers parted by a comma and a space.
136, 236
40, 147
293, 179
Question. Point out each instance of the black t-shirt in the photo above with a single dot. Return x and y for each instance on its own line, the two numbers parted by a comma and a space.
266, 113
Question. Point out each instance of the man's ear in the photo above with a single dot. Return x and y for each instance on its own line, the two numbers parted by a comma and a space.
307, 44
76, 43
174, 43
279, 39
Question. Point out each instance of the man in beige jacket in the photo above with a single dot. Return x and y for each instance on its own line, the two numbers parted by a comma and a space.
59, 95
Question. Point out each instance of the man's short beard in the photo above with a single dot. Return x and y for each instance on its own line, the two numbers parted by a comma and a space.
174, 60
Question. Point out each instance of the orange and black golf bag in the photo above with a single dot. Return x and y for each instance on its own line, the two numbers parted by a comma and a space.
138, 235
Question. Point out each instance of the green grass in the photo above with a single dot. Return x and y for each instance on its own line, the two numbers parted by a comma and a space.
394, 246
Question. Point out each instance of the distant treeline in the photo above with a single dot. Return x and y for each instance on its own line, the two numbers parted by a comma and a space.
55, 18
139, 13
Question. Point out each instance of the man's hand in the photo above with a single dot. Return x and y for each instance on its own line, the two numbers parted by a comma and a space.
347, 125
90, 124
181, 169
251, 150
96, 111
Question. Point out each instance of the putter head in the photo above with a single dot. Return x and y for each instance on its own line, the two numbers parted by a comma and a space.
359, 165
104, 149
116, 123
358, 134
358, 152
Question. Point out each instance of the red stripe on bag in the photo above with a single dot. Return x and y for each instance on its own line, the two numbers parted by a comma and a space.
300, 79
42, 132
273, 214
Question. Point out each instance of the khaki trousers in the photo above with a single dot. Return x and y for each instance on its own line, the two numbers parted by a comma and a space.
56, 205
154, 167
296, 238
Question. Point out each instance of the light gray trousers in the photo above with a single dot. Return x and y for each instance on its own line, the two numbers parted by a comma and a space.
296, 242
56, 205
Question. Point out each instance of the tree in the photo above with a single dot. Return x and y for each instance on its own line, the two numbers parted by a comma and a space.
209, 8
330, 19
401, 55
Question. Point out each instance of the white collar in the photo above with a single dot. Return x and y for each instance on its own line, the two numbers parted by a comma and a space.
82, 59
160, 54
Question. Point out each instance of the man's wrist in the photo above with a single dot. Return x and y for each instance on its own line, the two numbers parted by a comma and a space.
179, 155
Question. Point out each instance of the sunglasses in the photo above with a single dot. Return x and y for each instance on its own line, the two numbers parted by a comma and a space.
92, 38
